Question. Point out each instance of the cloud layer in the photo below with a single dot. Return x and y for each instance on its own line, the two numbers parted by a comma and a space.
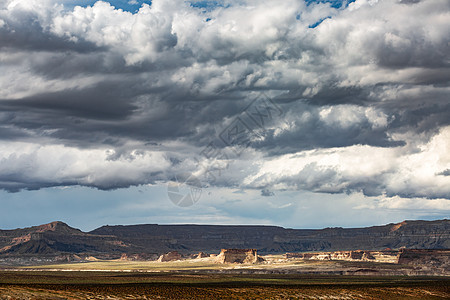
101, 97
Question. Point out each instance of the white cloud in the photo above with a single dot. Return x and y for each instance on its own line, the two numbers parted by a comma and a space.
392, 171
26, 164
367, 90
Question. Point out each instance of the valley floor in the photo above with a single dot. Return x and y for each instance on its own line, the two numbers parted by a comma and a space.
203, 278
272, 264
171, 285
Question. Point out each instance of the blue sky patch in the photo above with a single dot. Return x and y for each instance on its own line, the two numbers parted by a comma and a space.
318, 22
333, 3
207, 5
134, 5
126, 5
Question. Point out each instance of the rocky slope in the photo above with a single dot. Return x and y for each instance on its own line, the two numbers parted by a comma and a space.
55, 238
272, 239
58, 238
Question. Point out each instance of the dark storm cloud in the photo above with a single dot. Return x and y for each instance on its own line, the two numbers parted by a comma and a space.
160, 85
8, 133
102, 101
409, 1
267, 193
445, 173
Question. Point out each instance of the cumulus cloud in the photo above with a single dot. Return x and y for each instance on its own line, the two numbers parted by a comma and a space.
29, 166
373, 170
103, 97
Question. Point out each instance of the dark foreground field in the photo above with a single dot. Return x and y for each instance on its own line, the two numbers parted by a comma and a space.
107, 285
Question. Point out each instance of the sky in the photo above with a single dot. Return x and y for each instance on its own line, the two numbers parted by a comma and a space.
302, 114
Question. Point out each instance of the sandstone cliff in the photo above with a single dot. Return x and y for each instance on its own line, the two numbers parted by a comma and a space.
151, 240
241, 256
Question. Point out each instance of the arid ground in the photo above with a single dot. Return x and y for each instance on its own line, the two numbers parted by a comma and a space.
172, 285
203, 279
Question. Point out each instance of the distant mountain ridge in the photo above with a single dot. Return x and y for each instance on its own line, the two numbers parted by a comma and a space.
58, 238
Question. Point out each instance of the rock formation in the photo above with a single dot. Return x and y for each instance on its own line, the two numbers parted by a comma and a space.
138, 257
293, 255
429, 258
171, 256
109, 242
202, 255
241, 256
422, 258
271, 239
358, 255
